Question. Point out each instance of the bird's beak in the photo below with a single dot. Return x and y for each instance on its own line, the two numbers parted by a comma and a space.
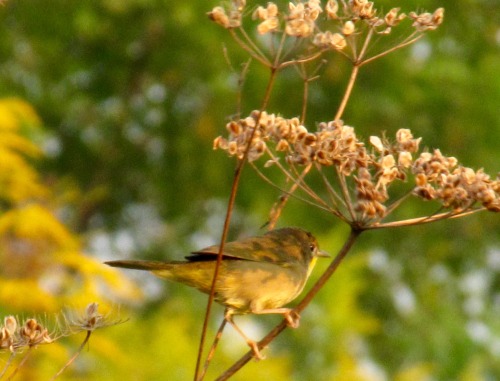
322, 254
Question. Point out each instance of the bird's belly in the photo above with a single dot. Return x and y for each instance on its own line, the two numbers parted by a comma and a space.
256, 286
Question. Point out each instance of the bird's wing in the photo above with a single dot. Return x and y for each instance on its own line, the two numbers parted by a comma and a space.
262, 250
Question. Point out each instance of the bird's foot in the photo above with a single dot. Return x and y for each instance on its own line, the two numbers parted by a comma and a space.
292, 318
256, 351
252, 344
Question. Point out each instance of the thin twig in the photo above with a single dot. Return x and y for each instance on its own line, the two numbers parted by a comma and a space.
366, 43
334, 196
283, 200
223, 239
423, 220
21, 363
397, 203
401, 45
354, 74
262, 60
72, 359
305, 96
254, 46
300, 60
345, 193
211, 352
298, 178
281, 45
7, 364
241, 82
300, 307
289, 192
225, 230
347, 93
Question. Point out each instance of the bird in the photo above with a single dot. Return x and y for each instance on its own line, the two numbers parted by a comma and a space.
257, 275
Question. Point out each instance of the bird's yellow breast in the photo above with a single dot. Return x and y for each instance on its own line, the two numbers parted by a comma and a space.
257, 286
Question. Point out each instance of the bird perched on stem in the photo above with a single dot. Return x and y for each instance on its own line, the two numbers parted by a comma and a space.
257, 275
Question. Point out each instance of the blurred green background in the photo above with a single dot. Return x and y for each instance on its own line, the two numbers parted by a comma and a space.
131, 94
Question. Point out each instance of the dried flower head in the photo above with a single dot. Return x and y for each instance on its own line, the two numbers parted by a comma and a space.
90, 320
332, 7
343, 26
269, 16
427, 21
334, 144
392, 18
300, 20
218, 14
362, 9
348, 28
228, 18
33, 333
330, 40
7, 333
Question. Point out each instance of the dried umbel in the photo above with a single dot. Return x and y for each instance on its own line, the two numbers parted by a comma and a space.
31, 333
90, 320
441, 178
16, 335
326, 25
359, 192
373, 169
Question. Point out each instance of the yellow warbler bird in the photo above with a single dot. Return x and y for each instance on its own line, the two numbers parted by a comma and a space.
257, 275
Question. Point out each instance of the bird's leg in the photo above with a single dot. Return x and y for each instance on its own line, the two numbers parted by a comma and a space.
291, 316
251, 343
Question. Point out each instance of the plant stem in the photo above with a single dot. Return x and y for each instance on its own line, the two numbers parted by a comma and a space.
211, 352
7, 364
21, 363
348, 91
70, 361
225, 230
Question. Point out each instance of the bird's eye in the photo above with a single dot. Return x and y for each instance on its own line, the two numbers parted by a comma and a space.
312, 247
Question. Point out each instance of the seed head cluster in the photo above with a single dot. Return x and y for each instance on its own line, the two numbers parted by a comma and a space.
300, 19
373, 168
440, 178
14, 336
364, 171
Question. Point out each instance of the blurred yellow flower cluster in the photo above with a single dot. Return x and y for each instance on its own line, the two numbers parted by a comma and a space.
43, 267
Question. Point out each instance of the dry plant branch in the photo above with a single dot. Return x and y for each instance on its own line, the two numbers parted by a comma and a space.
423, 220
75, 355
211, 352
298, 179
348, 92
227, 220
225, 230
7, 364
393, 49
21, 363
257, 55
285, 195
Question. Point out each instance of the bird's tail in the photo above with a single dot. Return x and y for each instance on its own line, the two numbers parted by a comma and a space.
141, 265
194, 274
